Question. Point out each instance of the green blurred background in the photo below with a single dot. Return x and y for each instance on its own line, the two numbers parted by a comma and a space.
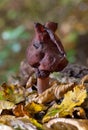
16, 29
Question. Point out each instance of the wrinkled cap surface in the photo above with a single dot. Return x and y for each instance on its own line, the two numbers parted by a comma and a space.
46, 53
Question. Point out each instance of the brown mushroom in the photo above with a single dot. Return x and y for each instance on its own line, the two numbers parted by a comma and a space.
46, 54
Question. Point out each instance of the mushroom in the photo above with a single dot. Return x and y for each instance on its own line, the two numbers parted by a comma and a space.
46, 54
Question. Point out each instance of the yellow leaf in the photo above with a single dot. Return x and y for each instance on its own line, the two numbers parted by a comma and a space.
12, 93
33, 108
34, 122
71, 99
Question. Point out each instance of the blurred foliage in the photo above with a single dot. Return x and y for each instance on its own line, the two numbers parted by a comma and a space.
16, 27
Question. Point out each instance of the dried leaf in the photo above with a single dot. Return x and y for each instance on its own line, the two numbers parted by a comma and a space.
47, 95
85, 78
30, 97
21, 123
63, 78
72, 124
60, 126
5, 105
33, 108
27, 119
71, 99
80, 112
56, 91
60, 90
31, 81
38, 125
6, 118
19, 111
5, 127
12, 93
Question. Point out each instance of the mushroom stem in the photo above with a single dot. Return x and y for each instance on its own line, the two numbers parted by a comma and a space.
42, 84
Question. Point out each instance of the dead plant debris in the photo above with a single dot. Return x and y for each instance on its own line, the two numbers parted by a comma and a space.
23, 108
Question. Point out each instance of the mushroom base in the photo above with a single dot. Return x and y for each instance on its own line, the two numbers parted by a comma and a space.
42, 84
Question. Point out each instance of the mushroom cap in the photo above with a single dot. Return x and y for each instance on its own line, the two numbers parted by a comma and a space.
46, 53
52, 26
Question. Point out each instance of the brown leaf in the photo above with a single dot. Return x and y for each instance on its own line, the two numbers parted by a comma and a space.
47, 95
60, 90
19, 111
80, 112
56, 91
77, 124
31, 81
60, 126
84, 79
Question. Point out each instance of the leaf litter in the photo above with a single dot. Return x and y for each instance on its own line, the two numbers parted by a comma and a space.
30, 110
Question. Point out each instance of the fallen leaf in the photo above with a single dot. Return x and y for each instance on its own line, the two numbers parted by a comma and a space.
55, 92
72, 124
6, 118
5, 105
38, 125
79, 111
19, 111
31, 81
46, 96
5, 127
60, 90
21, 123
33, 108
30, 97
84, 79
71, 99
12, 93
60, 126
